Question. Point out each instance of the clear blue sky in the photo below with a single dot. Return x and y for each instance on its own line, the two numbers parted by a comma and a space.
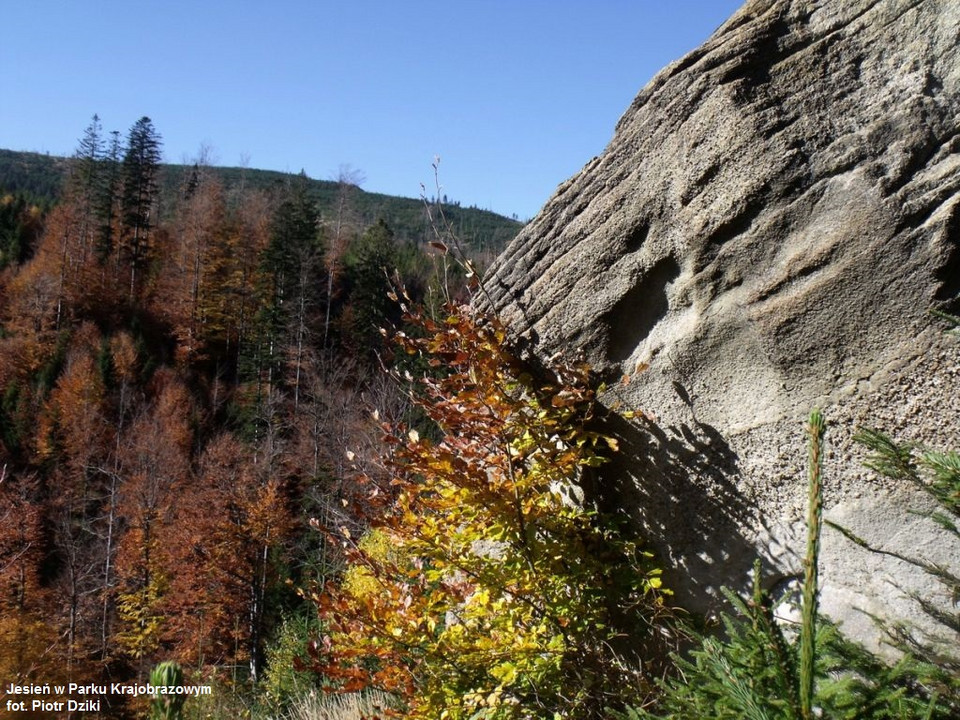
514, 96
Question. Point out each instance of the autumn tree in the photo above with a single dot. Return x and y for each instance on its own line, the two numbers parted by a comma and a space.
205, 610
123, 369
156, 450
28, 644
331, 433
69, 231
233, 526
237, 278
36, 290
188, 277
488, 585
73, 423
177, 394
73, 437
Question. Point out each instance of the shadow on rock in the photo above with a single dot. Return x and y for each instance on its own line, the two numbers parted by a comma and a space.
676, 487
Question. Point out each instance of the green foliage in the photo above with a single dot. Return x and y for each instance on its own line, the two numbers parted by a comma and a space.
106, 207
141, 165
21, 223
816, 430
36, 175
952, 320
758, 671
294, 240
292, 259
937, 474
283, 681
167, 707
889, 459
753, 673
934, 472
369, 265
487, 589
14, 414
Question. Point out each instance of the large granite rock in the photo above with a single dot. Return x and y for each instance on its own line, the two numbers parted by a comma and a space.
775, 215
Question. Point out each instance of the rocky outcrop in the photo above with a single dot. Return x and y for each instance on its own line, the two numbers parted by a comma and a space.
767, 230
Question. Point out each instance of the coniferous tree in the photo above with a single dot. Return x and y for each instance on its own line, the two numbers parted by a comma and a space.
72, 226
236, 273
85, 183
87, 158
369, 269
21, 223
292, 263
141, 166
107, 211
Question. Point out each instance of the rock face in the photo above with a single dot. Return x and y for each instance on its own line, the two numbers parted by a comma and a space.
775, 215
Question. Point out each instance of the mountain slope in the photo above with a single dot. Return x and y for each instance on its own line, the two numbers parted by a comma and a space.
41, 177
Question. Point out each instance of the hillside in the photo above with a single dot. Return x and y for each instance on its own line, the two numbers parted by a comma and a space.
41, 177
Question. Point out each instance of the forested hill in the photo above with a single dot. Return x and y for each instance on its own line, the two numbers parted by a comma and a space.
190, 372
41, 177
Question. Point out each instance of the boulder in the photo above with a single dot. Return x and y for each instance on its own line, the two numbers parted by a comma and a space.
770, 225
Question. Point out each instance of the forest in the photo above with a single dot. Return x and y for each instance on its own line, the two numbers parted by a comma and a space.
186, 357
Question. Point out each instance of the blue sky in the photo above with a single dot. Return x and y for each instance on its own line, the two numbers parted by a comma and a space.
514, 96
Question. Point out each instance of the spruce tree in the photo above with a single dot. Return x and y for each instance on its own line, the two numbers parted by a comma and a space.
368, 268
141, 166
87, 159
107, 200
86, 186
292, 274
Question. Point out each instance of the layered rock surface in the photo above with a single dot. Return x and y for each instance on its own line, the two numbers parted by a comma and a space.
768, 228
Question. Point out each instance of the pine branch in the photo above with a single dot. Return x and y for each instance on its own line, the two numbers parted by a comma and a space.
814, 518
889, 459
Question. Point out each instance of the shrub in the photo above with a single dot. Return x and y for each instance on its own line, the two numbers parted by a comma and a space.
487, 586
